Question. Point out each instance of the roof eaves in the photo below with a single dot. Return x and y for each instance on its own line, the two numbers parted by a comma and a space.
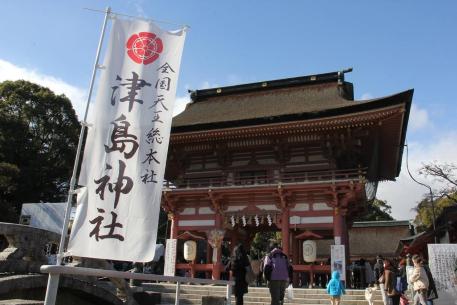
357, 107
393, 223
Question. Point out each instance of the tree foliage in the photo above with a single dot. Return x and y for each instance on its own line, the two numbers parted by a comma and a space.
38, 138
445, 174
377, 210
424, 210
261, 242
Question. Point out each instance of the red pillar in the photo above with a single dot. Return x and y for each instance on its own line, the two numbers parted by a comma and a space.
341, 232
285, 231
174, 226
338, 226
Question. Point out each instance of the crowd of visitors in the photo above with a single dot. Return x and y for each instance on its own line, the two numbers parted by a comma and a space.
401, 282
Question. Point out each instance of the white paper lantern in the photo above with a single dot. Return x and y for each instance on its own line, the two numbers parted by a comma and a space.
309, 251
190, 250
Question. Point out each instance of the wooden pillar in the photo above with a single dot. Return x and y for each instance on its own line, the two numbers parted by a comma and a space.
209, 253
340, 231
174, 225
192, 269
345, 239
285, 231
338, 226
295, 256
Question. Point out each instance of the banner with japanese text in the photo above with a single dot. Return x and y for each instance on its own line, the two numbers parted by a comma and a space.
126, 146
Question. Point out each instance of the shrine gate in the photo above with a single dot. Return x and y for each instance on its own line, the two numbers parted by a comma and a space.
295, 155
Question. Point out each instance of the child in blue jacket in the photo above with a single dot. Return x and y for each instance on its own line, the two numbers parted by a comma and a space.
335, 288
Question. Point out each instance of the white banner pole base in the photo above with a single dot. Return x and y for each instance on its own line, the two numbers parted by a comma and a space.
51, 291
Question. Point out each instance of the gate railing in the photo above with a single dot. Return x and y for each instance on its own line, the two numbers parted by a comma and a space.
57, 270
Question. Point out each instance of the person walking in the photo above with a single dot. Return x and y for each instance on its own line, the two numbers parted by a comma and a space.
420, 282
335, 288
237, 266
278, 274
378, 270
390, 281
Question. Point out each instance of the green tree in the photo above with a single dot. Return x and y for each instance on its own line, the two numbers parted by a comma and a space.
8, 185
424, 210
261, 242
377, 210
38, 138
445, 174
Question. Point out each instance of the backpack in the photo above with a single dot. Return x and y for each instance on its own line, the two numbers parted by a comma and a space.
391, 286
401, 284
268, 268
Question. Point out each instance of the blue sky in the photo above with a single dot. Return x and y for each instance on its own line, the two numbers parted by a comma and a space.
392, 46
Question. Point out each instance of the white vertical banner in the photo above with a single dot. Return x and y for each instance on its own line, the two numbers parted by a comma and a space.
338, 260
126, 146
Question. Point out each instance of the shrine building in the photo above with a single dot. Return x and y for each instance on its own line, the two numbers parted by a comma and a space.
298, 156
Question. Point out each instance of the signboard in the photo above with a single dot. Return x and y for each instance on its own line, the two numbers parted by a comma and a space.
338, 260
443, 266
170, 257
127, 142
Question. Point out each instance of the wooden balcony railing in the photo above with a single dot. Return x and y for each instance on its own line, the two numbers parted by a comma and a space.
284, 178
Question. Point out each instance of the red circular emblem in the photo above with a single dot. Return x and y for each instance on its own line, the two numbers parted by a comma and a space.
144, 47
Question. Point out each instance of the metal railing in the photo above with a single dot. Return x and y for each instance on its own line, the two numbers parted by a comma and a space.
284, 178
57, 270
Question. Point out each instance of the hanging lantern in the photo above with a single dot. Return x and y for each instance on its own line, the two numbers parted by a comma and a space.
309, 251
190, 250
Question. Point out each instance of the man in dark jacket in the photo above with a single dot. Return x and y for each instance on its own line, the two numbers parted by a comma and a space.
277, 271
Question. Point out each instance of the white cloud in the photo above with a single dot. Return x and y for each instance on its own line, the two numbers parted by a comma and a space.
366, 96
404, 194
419, 118
180, 104
78, 96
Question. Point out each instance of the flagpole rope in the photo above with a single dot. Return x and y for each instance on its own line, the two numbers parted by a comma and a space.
141, 18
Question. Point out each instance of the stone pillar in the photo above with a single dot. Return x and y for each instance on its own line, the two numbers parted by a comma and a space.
285, 231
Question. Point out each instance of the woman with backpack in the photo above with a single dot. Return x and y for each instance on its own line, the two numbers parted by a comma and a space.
390, 281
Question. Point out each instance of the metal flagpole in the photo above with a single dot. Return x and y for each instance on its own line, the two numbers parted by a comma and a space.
53, 279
